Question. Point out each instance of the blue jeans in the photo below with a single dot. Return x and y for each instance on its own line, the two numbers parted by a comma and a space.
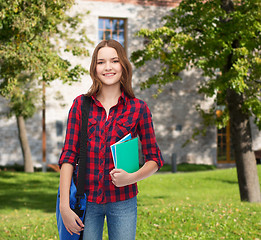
121, 220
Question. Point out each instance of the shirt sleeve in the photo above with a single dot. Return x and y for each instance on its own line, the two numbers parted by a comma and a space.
146, 133
71, 148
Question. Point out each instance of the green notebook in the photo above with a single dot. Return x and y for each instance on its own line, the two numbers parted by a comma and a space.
127, 155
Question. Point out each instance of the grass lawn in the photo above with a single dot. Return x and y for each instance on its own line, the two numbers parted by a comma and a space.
195, 205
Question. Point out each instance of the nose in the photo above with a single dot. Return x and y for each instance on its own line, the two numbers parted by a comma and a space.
108, 66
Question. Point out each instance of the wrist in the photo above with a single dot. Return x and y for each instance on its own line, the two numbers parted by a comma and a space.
134, 177
64, 205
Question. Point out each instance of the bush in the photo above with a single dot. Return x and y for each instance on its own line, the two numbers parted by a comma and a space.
187, 167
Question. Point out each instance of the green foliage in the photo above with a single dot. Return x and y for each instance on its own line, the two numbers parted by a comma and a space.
198, 205
33, 36
225, 45
187, 167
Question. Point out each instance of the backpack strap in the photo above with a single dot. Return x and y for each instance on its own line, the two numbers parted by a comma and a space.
83, 146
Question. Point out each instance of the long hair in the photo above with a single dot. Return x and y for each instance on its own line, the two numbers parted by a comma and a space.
126, 77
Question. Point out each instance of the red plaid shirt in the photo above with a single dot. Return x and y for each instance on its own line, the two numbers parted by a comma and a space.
130, 115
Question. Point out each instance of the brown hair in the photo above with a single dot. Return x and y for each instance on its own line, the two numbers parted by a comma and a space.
126, 78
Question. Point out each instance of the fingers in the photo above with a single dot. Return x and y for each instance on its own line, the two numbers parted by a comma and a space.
72, 231
69, 230
76, 227
113, 175
113, 179
118, 177
115, 171
79, 222
71, 221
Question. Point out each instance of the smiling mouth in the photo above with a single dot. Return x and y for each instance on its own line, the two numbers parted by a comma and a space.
109, 74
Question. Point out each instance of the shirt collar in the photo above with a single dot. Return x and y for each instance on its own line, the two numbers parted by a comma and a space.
123, 98
94, 98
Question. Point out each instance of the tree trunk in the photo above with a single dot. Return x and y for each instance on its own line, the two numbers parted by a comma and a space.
241, 133
242, 142
28, 164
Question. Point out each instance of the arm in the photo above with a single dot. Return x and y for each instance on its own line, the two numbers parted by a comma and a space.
121, 178
71, 221
150, 151
67, 162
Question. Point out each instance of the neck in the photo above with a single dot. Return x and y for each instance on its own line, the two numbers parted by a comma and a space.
109, 94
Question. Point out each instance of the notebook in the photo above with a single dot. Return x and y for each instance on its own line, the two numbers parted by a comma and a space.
126, 154
127, 137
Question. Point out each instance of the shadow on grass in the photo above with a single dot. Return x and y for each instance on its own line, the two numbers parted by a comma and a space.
221, 180
28, 191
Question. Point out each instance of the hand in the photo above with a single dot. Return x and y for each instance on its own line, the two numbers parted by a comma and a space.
71, 220
121, 178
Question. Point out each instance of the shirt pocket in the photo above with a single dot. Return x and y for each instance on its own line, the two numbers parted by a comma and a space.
123, 127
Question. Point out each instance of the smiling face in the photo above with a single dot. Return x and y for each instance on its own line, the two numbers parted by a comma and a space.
123, 66
108, 68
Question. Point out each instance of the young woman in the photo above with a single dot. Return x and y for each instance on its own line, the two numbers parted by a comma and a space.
114, 113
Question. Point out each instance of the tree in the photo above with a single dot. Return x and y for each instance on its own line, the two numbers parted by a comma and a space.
33, 36
223, 39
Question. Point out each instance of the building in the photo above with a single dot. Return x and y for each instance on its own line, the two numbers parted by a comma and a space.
174, 113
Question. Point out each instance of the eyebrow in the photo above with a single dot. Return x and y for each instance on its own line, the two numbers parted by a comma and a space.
110, 59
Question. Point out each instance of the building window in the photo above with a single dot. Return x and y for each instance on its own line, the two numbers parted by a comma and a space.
113, 28
225, 153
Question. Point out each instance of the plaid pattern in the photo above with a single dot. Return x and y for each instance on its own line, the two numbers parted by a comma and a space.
130, 115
